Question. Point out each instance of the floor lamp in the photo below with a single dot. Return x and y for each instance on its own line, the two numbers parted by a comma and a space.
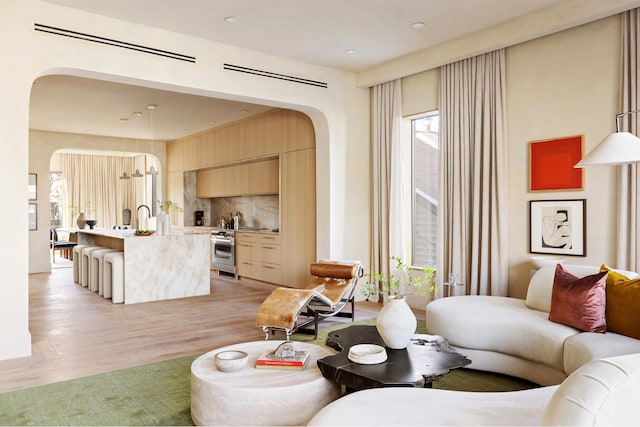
617, 149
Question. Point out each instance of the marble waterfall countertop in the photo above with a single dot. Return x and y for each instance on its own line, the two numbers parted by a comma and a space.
158, 267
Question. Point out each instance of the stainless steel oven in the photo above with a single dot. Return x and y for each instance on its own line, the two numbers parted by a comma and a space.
223, 254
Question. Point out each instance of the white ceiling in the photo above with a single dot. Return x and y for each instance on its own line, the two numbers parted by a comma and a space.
315, 31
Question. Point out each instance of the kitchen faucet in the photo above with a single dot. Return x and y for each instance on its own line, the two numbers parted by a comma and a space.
137, 227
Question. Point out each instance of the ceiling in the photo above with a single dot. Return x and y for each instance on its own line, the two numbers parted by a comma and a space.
314, 31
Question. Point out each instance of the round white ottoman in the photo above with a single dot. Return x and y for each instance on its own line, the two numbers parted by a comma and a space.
253, 396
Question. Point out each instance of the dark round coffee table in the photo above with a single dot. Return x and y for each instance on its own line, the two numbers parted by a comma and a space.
427, 358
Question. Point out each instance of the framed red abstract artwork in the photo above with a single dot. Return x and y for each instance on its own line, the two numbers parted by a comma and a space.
552, 164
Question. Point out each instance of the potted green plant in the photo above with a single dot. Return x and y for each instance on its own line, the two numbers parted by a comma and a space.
405, 281
169, 207
396, 323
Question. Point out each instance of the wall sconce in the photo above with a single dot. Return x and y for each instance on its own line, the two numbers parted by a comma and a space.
617, 149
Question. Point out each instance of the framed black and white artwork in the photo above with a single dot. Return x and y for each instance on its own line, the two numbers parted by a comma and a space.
558, 227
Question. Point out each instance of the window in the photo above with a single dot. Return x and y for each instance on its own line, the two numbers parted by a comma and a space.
424, 134
55, 199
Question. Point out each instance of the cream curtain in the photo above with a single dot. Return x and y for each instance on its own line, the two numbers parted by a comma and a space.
472, 210
95, 180
628, 250
387, 180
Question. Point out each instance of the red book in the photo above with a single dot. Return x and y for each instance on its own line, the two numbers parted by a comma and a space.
269, 360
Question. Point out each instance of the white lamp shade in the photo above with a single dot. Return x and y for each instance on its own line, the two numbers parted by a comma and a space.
617, 149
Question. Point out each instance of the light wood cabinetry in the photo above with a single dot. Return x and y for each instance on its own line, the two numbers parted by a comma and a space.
260, 136
219, 155
246, 255
297, 215
258, 257
239, 180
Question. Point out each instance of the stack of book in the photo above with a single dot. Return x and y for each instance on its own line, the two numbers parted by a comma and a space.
269, 360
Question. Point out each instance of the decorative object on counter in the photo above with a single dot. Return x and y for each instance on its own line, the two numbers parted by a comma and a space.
81, 210
144, 232
80, 221
91, 223
236, 221
163, 219
231, 360
396, 323
126, 216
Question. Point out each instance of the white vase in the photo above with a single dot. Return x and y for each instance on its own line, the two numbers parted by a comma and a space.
163, 224
396, 323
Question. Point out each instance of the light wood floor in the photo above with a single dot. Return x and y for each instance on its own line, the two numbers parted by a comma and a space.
76, 333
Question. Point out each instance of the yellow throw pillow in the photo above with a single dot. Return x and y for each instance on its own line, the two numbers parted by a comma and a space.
623, 304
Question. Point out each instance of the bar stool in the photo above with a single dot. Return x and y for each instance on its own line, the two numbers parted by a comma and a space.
113, 282
77, 263
97, 269
85, 271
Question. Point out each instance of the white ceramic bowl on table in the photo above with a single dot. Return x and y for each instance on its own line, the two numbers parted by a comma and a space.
231, 360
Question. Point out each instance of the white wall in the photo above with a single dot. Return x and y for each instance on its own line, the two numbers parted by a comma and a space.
340, 114
563, 84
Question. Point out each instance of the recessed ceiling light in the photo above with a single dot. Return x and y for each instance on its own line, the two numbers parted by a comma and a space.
230, 19
244, 111
211, 122
417, 25
351, 51
137, 113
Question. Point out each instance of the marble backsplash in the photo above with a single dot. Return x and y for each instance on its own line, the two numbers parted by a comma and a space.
255, 211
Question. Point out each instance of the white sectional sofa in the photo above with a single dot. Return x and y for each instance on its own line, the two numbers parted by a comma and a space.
515, 337
602, 392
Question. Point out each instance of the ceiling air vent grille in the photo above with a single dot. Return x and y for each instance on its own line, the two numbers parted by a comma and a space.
112, 42
269, 74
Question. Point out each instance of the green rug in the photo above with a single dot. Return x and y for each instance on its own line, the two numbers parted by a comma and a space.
159, 393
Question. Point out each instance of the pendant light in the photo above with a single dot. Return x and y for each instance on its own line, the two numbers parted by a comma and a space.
152, 170
137, 173
124, 145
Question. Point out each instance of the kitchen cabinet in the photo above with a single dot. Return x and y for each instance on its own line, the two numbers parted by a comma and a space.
286, 135
245, 179
298, 215
259, 257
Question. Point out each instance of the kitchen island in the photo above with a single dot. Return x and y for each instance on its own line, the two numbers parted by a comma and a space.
157, 267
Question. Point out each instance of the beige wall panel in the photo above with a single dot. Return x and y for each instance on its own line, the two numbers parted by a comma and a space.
298, 207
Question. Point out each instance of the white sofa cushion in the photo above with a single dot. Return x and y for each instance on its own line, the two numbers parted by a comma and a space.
603, 392
541, 283
430, 407
499, 324
582, 348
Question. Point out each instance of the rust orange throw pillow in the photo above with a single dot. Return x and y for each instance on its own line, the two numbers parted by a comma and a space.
623, 304
579, 301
